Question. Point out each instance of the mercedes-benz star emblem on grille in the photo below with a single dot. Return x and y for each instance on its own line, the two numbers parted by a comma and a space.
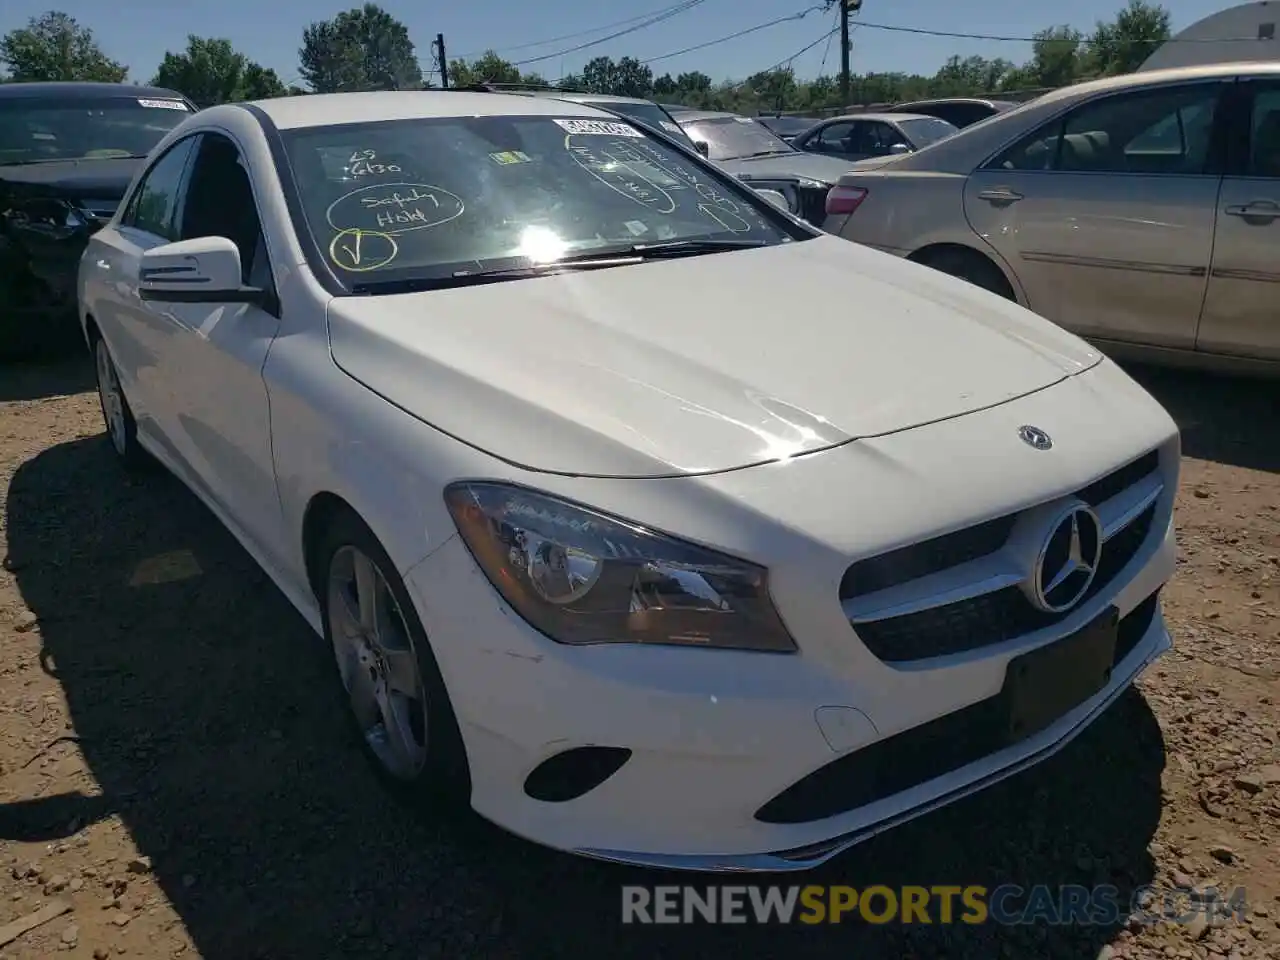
1034, 437
1068, 561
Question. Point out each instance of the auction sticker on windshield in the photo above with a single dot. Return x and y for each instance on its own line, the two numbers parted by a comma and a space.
164, 105
600, 128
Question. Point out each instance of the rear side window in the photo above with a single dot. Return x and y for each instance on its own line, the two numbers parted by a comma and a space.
832, 137
1166, 131
1264, 139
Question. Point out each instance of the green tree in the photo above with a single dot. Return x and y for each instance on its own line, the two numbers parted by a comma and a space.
774, 89
627, 77
1123, 44
54, 46
490, 68
694, 81
211, 71
261, 83
1056, 57
360, 49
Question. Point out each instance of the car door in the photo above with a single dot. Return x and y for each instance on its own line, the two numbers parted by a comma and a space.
135, 332
217, 351
1242, 304
1106, 213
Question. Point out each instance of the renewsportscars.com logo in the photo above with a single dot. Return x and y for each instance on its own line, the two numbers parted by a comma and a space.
1007, 905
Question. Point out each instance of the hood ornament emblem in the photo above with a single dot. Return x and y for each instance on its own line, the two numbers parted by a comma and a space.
1034, 437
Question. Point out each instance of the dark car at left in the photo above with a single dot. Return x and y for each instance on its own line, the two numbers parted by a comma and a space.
68, 152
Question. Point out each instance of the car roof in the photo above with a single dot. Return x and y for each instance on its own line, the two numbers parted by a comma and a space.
957, 100
883, 117
690, 116
587, 97
1212, 71
83, 90
331, 109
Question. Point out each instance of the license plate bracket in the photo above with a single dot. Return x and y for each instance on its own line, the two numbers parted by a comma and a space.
1044, 684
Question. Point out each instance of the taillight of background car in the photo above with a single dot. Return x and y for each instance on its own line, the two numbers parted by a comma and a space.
842, 201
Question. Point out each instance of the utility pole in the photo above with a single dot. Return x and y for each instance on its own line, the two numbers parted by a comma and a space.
443, 60
847, 7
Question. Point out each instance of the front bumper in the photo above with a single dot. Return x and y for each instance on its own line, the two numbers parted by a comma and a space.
713, 735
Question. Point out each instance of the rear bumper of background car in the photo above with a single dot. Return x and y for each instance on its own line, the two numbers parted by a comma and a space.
712, 735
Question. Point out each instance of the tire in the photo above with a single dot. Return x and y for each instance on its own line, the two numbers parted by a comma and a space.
122, 429
970, 266
372, 670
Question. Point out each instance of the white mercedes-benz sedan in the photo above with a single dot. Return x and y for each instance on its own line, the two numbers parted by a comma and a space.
613, 538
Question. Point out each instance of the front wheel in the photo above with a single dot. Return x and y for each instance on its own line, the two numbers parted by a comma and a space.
387, 670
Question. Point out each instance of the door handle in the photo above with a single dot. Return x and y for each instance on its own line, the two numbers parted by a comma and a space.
1261, 210
1000, 196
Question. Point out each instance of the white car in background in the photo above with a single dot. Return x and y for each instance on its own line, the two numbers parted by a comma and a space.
1142, 212
608, 539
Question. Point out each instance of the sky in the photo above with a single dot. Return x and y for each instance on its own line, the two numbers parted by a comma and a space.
138, 32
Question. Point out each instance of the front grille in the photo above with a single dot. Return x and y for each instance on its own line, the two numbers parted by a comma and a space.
922, 753
992, 616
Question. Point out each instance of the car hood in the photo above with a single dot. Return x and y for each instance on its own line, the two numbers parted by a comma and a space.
698, 365
812, 166
77, 179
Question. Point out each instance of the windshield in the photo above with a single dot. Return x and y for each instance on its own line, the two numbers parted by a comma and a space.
649, 114
35, 130
436, 198
732, 138
926, 130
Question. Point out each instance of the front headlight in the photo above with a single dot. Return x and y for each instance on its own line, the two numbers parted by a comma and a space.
581, 577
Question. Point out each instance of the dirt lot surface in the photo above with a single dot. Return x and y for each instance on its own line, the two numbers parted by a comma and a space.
176, 771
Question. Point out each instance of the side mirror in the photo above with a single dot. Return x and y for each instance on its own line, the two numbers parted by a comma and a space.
203, 270
898, 149
703, 148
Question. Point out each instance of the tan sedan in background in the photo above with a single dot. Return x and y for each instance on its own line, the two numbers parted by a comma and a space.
1142, 212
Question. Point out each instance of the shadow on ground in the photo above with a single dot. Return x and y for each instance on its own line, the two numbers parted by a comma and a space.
1223, 419
38, 381
204, 707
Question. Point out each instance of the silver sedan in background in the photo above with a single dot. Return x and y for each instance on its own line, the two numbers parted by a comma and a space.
864, 135
1142, 212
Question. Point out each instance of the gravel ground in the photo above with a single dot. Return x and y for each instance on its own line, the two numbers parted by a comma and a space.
175, 768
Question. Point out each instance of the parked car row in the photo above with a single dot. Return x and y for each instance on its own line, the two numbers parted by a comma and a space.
1142, 212
1107, 220
607, 539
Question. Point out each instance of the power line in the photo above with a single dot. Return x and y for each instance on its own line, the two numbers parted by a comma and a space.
656, 18
573, 36
741, 33
802, 51
921, 31
827, 50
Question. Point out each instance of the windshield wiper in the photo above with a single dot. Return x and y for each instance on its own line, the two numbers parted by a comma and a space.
592, 260
681, 248
766, 153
